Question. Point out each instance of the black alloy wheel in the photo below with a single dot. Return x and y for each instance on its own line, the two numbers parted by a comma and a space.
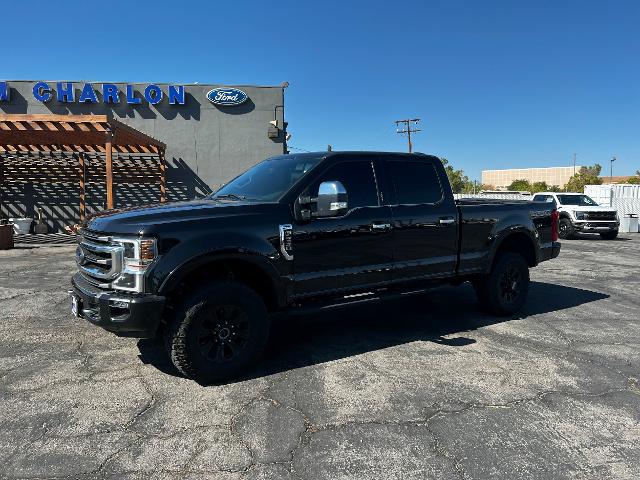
223, 332
510, 284
565, 229
218, 333
504, 290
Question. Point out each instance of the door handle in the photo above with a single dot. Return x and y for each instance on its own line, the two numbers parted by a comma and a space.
381, 226
446, 220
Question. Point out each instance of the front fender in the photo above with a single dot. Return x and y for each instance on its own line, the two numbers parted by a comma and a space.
186, 256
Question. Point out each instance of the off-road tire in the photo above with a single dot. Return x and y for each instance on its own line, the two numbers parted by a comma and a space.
612, 235
504, 290
566, 231
194, 337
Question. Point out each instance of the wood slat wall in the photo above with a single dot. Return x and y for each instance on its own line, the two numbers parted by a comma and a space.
25, 167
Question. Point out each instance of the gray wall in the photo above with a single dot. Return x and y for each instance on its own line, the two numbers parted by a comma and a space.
207, 145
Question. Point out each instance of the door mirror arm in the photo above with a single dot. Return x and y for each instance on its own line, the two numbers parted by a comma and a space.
332, 201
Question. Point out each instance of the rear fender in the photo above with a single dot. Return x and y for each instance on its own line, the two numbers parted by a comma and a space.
510, 226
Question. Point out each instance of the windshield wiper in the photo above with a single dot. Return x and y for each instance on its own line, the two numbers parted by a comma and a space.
231, 196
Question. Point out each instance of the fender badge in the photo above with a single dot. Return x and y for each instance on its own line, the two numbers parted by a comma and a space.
286, 241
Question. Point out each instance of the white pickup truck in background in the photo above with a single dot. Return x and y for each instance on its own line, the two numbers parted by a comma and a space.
579, 213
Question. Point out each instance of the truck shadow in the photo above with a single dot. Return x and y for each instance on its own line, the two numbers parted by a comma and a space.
303, 340
596, 237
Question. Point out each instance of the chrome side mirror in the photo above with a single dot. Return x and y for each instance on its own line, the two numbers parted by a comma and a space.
332, 199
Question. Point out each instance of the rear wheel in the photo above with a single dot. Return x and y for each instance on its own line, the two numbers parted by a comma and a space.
504, 290
218, 333
565, 229
610, 235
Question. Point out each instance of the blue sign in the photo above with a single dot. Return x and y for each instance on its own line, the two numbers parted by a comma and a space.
153, 94
5, 92
65, 92
226, 96
88, 94
42, 92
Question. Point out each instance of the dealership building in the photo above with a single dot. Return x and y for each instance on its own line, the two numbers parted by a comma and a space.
501, 179
200, 135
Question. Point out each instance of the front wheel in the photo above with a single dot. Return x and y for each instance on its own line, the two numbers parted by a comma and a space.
218, 333
504, 290
610, 235
565, 229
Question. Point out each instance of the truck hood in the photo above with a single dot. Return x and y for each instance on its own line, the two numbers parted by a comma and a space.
595, 208
161, 217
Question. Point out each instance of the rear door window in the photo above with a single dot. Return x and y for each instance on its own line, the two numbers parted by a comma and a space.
414, 183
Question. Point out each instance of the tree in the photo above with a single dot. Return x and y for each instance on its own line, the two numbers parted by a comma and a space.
460, 183
586, 176
539, 187
521, 185
634, 180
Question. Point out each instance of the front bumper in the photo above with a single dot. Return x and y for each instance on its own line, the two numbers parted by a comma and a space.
595, 227
126, 315
549, 250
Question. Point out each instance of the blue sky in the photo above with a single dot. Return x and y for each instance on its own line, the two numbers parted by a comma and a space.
498, 84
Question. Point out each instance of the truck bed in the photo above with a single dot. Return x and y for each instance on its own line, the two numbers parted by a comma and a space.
487, 201
483, 221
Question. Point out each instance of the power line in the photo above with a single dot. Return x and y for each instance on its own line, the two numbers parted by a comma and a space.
407, 129
300, 149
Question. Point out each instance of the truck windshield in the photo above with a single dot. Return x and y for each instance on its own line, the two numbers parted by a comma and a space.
580, 200
269, 180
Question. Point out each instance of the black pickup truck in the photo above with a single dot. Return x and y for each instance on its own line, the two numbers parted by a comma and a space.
297, 231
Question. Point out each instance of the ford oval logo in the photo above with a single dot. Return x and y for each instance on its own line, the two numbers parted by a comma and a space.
226, 96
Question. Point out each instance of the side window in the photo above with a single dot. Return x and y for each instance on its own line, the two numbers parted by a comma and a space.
544, 198
357, 178
415, 182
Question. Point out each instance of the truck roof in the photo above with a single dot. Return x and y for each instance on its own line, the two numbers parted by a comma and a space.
558, 193
335, 153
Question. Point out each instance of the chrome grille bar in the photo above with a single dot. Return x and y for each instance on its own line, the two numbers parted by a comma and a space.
99, 261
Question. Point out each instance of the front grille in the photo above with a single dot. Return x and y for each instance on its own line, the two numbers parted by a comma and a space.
600, 225
99, 260
600, 216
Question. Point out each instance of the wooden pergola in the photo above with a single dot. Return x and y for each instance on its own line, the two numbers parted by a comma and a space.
79, 135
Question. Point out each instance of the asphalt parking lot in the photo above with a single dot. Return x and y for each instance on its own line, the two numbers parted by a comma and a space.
428, 387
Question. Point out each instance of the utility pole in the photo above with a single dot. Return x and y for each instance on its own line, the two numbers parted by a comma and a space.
406, 128
613, 159
574, 163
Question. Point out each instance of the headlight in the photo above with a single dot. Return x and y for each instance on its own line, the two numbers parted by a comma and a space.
138, 255
579, 215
